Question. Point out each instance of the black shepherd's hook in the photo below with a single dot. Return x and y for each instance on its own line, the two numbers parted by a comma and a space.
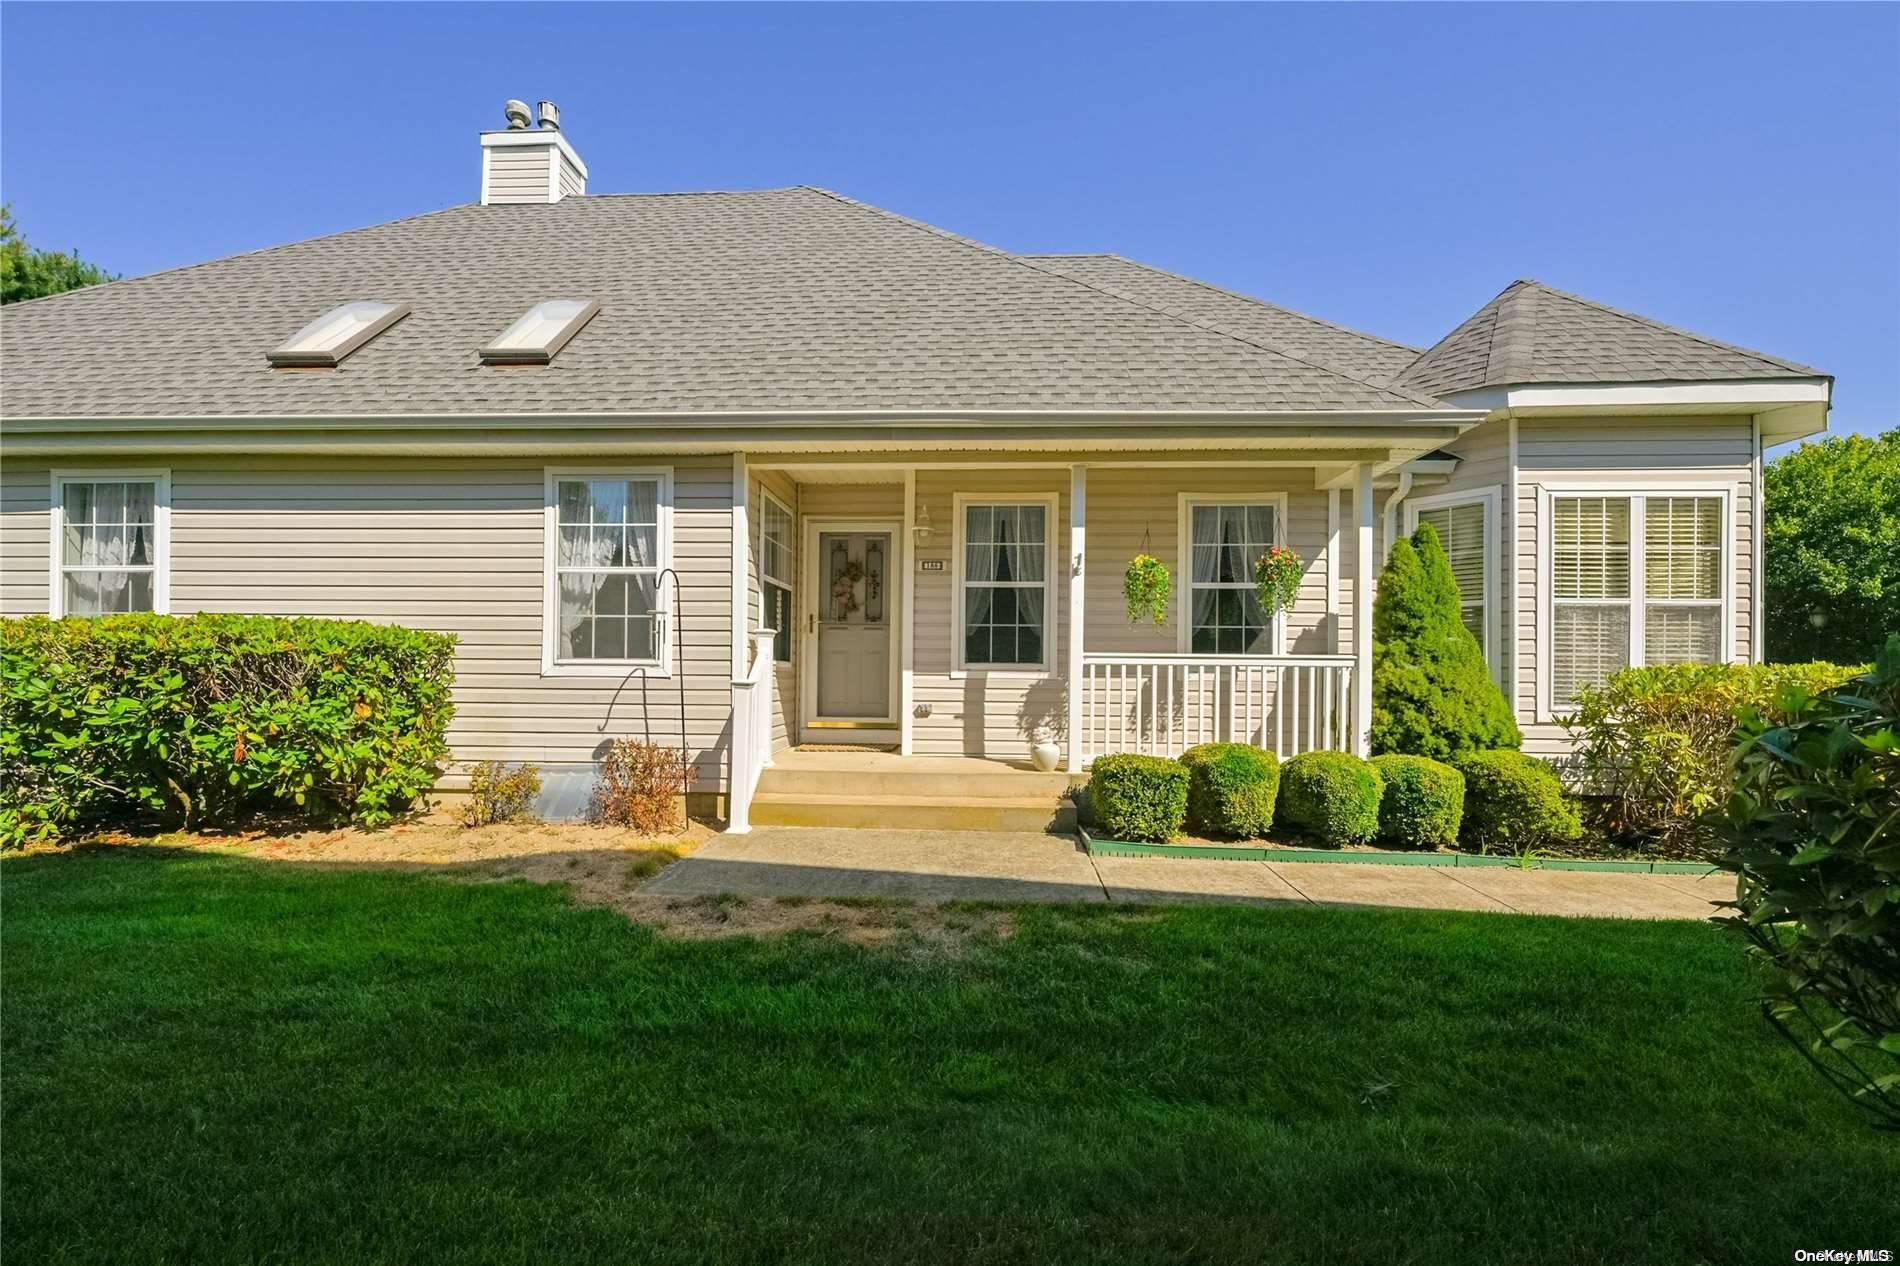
679, 671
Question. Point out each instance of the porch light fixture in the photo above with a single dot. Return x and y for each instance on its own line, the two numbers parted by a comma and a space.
327, 340
537, 336
921, 528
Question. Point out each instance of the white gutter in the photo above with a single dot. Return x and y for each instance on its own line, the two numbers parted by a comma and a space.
1392, 507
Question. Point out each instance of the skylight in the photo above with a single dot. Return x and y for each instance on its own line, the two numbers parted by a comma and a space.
337, 333
546, 328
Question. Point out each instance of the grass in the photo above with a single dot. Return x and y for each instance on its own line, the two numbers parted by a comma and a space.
211, 1059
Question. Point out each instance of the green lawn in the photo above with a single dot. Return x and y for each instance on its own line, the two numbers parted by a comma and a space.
207, 1058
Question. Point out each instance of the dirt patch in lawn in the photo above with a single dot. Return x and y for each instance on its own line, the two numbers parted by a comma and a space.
600, 862
920, 930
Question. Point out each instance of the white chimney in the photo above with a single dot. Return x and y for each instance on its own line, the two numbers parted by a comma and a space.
530, 164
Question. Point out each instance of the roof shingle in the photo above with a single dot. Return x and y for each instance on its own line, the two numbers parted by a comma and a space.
1531, 333
787, 299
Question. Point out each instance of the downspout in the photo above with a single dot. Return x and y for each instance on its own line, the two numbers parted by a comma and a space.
1392, 511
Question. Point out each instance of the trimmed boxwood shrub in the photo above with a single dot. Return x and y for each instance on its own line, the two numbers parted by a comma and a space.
206, 720
1514, 801
1139, 797
1231, 789
1331, 796
1423, 802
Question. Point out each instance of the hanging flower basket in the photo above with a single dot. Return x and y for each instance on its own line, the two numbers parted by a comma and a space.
1147, 586
1276, 579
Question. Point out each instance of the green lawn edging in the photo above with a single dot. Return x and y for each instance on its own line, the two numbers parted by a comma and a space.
1373, 857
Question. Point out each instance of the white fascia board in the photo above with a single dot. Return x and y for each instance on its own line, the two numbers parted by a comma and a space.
1736, 393
535, 136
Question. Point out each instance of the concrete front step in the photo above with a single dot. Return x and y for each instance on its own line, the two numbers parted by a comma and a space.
913, 781
913, 812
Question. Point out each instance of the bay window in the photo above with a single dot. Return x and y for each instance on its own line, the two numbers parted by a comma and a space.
1635, 579
608, 541
110, 549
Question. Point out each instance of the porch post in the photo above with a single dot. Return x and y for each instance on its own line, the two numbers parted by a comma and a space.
741, 551
907, 648
1078, 599
1362, 582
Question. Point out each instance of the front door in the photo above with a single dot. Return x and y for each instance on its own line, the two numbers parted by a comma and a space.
854, 598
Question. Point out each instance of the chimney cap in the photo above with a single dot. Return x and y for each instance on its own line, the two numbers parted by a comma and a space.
516, 112
550, 115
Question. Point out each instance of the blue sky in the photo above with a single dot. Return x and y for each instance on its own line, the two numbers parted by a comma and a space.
1732, 169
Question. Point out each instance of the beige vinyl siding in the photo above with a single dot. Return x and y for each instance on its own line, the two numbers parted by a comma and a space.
26, 500
981, 713
1625, 453
517, 173
784, 676
1484, 455
455, 545
571, 184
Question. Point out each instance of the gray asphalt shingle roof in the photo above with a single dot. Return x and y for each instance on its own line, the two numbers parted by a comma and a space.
1363, 356
787, 299
1531, 333
776, 300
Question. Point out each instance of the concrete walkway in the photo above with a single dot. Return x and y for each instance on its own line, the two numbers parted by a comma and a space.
981, 866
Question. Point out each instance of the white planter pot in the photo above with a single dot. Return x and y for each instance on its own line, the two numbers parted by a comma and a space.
1045, 755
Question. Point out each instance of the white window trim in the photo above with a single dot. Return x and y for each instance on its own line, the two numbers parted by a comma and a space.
1051, 617
1184, 559
790, 583
1490, 498
662, 664
161, 479
1548, 491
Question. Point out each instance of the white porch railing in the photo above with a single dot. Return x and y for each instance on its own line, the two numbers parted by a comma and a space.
751, 732
1162, 705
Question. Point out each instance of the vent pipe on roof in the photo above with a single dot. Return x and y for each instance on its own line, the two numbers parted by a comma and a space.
524, 164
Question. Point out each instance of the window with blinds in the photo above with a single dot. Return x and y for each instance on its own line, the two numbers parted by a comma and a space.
1682, 580
1590, 589
1634, 580
1462, 531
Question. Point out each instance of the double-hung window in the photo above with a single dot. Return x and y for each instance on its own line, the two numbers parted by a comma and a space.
110, 548
1003, 586
1464, 524
775, 576
1635, 579
608, 541
1222, 611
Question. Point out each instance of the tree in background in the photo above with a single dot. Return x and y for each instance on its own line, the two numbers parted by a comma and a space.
29, 273
1432, 693
1832, 532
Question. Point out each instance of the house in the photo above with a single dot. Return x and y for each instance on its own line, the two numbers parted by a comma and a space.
751, 470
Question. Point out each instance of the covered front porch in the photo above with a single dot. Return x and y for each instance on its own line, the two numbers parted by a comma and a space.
970, 604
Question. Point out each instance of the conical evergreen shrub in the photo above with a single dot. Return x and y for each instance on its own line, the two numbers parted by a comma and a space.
1432, 693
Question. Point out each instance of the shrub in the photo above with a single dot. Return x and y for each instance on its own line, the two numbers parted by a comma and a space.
1331, 796
1653, 743
1139, 797
1432, 693
1514, 801
497, 793
1231, 789
1423, 802
1811, 839
641, 785
208, 720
